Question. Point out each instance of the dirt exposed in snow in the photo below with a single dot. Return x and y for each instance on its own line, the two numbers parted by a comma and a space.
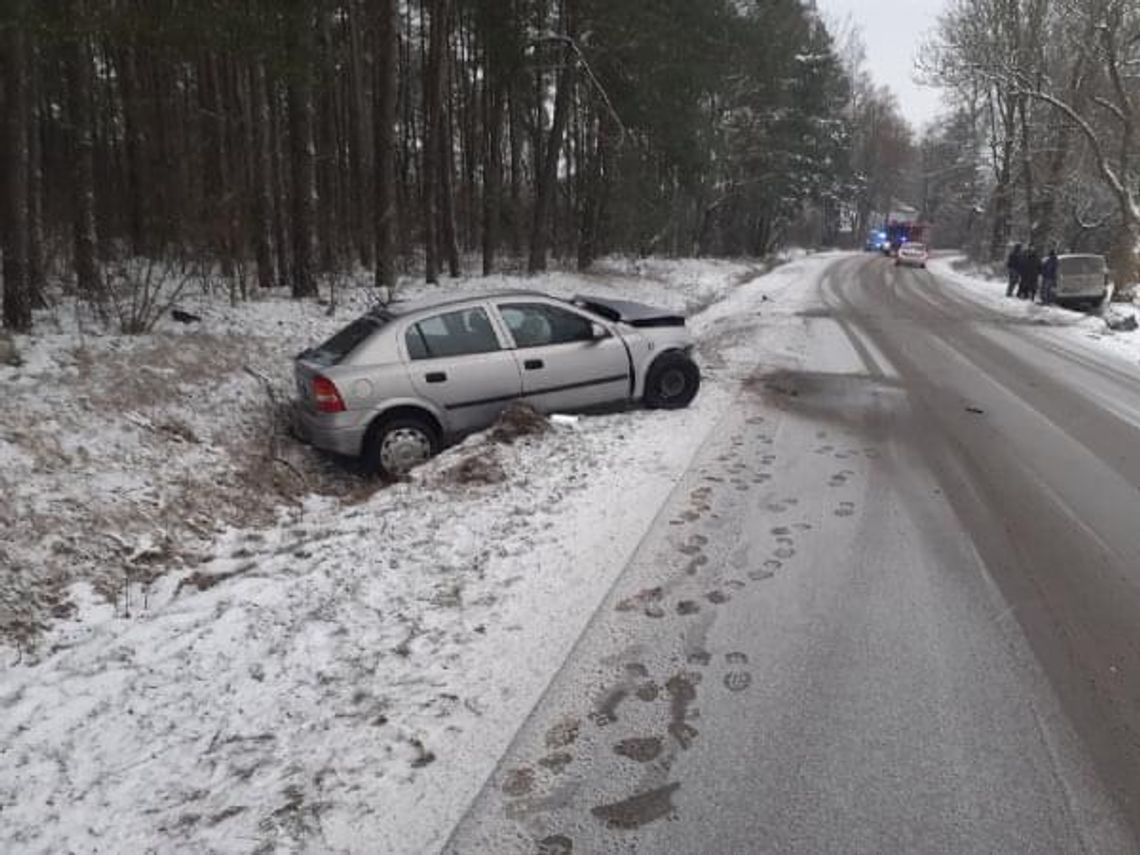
518, 420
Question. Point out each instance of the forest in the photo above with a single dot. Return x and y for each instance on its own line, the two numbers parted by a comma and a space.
286, 143
297, 143
1039, 144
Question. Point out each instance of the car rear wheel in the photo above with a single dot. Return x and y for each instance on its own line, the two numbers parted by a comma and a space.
673, 382
397, 446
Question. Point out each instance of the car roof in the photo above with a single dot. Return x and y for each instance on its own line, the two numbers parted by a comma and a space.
407, 308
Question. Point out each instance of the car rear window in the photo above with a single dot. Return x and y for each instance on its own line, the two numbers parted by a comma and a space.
917, 247
1082, 265
341, 346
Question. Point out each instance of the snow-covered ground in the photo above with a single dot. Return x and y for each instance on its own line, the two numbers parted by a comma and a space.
228, 644
1091, 329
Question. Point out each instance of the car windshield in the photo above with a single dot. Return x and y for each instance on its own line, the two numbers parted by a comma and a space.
341, 346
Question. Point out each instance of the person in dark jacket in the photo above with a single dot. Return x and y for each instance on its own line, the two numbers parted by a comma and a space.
1013, 270
1049, 278
1030, 274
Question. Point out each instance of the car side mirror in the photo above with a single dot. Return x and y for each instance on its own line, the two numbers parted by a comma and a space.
601, 333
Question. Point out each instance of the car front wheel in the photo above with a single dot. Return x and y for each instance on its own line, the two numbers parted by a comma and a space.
397, 446
673, 382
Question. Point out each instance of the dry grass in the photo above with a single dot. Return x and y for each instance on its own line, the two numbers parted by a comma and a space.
139, 457
115, 485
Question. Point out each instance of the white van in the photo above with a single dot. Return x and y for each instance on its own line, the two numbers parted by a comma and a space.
1081, 279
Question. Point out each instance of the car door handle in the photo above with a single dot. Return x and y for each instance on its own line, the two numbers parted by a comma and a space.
436, 377
534, 365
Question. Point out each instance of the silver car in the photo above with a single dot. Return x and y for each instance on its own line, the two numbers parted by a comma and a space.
397, 384
1081, 280
912, 255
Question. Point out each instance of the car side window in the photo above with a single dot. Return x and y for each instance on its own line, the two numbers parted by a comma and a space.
540, 325
461, 333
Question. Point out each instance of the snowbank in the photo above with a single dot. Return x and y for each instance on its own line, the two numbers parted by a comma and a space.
289, 658
1091, 329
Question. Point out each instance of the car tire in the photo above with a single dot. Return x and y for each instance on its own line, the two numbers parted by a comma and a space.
396, 446
672, 383
1097, 304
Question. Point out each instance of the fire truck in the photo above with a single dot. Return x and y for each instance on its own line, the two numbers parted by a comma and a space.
897, 232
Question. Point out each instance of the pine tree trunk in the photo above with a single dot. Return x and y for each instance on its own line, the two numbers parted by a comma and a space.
493, 102
17, 283
471, 141
302, 160
262, 179
168, 191
87, 275
448, 232
429, 169
388, 48
328, 227
516, 142
544, 200
361, 148
434, 83
135, 146
37, 271
594, 200
410, 178
243, 168
219, 197
281, 197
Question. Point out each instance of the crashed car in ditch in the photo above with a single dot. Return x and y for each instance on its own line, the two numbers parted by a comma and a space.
397, 384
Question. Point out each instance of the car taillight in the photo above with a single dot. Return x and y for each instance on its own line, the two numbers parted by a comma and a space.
326, 396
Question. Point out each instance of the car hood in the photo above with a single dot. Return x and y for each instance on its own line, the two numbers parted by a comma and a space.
629, 312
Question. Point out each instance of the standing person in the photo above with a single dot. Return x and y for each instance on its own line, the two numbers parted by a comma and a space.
1049, 278
1013, 269
1030, 273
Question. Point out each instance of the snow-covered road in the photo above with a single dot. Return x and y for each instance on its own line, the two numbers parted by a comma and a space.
892, 609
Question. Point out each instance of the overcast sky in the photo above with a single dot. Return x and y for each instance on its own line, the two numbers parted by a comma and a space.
892, 31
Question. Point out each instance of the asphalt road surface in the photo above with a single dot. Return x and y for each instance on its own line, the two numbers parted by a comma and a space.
894, 607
